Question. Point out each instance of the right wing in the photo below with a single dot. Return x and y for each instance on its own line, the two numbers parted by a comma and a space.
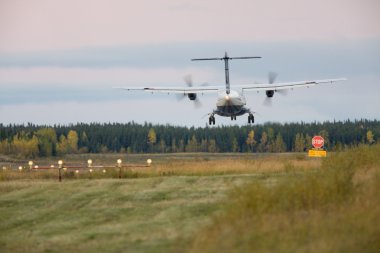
284, 86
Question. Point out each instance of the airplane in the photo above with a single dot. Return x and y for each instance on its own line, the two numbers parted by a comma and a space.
231, 103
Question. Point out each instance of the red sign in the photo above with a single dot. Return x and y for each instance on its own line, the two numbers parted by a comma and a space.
317, 141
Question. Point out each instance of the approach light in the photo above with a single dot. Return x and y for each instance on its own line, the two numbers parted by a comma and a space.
89, 162
149, 162
60, 162
119, 162
20, 168
104, 171
30, 163
36, 166
77, 172
4, 168
64, 169
91, 170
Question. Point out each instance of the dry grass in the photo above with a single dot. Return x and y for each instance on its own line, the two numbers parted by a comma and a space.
333, 209
170, 165
197, 203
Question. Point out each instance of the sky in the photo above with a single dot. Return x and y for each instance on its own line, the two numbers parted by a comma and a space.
60, 59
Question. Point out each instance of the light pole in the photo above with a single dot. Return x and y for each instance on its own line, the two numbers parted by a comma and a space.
119, 165
30, 163
89, 164
60, 163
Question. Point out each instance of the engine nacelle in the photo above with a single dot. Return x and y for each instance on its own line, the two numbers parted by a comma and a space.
192, 96
269, 93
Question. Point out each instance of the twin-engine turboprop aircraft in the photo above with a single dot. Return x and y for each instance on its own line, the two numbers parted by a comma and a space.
231, 103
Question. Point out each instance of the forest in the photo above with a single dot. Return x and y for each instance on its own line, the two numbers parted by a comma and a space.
30, 141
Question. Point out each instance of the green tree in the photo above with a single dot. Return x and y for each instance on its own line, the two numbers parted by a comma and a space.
279, 145
235, 145
300, 143
24, 146
62, 145
370, 137
192, 145
181, 146
84, 139
325, 135
250, 141
263, 142
174, 147
72, 141
204, 145
271, 140
162, 146
47, 140
212, 148
5, 147
152, 138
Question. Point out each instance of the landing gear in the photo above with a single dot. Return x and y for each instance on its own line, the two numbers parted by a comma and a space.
251, 119
211, 120
233, 117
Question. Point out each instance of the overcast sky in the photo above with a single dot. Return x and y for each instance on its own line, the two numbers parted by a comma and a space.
60, 59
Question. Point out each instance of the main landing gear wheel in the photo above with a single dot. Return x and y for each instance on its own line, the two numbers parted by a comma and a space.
251, 119
233, 117
211, 120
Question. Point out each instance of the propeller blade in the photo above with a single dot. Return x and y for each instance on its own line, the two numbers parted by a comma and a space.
272, 77
197, 103
188, 80
180, 97
267, 102
282, 92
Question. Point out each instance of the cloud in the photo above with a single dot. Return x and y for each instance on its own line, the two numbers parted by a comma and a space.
168, 63
43, 24
106, 78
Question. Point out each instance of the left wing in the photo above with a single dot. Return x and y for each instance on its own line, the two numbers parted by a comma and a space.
181, 90
284, 86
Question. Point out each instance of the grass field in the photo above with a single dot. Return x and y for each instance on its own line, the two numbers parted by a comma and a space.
198, 203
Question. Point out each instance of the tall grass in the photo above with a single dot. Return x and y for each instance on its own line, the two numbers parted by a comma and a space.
333, 209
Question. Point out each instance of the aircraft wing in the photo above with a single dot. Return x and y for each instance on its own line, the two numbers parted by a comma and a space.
244, 87
180, 90
288, 85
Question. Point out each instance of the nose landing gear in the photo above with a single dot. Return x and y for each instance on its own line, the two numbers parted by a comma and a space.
211, 120
251, 119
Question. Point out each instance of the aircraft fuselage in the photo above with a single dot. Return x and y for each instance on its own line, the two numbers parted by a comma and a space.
232, 104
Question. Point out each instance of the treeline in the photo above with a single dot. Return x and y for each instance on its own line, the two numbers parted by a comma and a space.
38, 141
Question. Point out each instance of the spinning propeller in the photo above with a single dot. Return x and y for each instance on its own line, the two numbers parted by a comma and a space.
192, 96
269, 93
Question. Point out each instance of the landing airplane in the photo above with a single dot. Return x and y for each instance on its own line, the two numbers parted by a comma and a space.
231, 103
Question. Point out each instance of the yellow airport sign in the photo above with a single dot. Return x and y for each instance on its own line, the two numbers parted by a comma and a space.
317, 153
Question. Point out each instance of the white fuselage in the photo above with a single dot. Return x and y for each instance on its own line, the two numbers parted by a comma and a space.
231, 104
